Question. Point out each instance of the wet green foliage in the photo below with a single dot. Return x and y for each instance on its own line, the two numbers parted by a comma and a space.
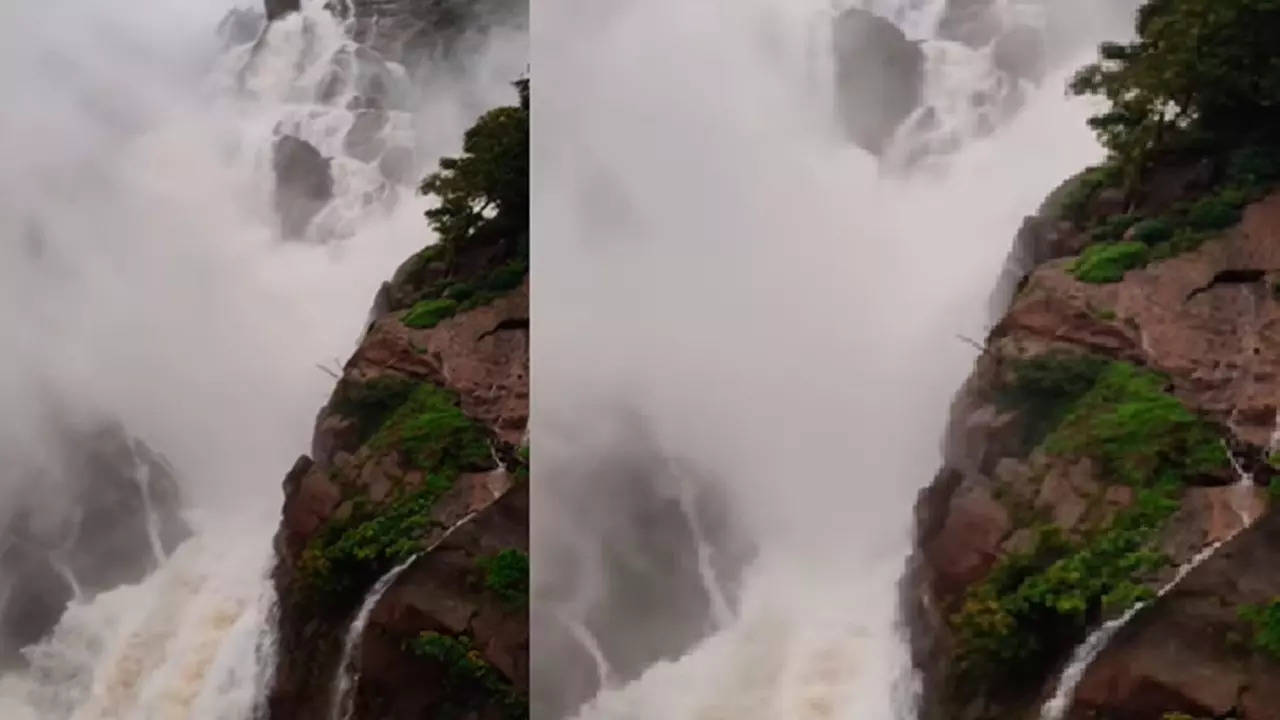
1044, 387
506, 575
428, 313
1033, 607
348, 556
1200, 72
370, 403
1107, 263
485, 190
1138, 431
1265, 623
434, 434
470, 683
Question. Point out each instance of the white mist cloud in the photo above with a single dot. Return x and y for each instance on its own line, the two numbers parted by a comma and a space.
711, 254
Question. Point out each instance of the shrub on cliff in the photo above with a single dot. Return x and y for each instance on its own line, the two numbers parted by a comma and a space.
1201, 72
1107, 263
486, 189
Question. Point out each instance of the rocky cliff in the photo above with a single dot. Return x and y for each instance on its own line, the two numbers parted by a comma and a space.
417, 457
402, 571
1121, 419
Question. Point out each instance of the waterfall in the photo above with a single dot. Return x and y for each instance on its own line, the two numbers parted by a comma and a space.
347, 675
1060, 702
782, 312
156, 288
142, 475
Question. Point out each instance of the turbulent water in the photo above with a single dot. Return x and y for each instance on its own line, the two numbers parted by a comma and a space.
144, 277
775, 306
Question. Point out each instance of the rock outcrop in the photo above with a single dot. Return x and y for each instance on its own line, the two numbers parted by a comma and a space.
879, 77
1062, 495
98, 519
304, 183
417, 457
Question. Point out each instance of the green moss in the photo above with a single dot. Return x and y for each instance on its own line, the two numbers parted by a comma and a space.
1071, 200
470, 683
1153, 231
434, 434
1112, 229
370, 403
1033, 607
506, 575
1044, 387
429, 313
1273, 489
345, 558
1138, 431
1109, 262
1216, 212
1265, 623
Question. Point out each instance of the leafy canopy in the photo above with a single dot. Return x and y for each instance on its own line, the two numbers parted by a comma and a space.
1199, 72
486, 189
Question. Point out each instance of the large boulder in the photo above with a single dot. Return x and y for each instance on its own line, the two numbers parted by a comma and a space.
879, 77
103, 515
304, 183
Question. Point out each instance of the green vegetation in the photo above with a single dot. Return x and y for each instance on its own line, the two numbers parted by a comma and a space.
434, 434
422, 421
370, 403
1200, 73
428, 313
1044, 387
1273, 489
486, 189
506, 575
1107, 263
349, 555
1035, 606
469, 681
1152, 231
1138, 431
1265, 622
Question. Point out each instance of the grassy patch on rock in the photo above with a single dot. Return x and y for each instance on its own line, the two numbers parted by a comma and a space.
1139, 432
1034, 606
340, 564
506, 575
1264, 620
470, 683
434, 434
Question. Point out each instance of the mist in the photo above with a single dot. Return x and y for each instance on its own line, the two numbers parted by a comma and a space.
145, 283
776, 308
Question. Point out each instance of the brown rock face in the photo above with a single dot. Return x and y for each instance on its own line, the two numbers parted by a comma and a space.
479, 358
1209, 320
1184, 654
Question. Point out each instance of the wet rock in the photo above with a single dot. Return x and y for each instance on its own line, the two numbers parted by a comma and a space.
240, 26
879, 77
397, 165
973, 22
279, 8
364, 140
1020, 52
1183, 654
304, 183
83, 524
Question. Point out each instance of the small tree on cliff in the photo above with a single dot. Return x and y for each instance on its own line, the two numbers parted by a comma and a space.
485, 191
1201, 73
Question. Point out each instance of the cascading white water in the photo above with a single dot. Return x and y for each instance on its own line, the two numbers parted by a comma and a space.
142, 475
156, 288
715, 255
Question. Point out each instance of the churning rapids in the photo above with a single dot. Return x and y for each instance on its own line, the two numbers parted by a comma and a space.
733, 284
144, 277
